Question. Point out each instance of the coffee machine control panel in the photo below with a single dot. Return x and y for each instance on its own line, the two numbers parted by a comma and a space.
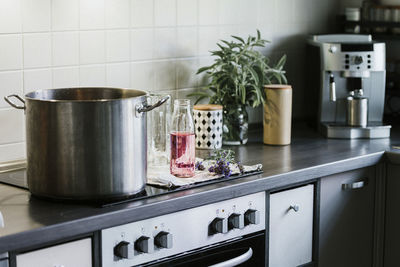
353, 57
357, 62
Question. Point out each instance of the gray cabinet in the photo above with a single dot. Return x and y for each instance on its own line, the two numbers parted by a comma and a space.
392, 218
291, 227
346, 228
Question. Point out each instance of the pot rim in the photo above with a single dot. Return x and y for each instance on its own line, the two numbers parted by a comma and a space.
30, 95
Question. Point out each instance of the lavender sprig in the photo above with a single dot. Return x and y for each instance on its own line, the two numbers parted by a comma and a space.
221, 167
199, 166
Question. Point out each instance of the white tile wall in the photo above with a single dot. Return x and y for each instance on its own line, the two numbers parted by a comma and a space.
118, 75
186, 12
37, 79
11, 52
65, 15
10, 83
10, 16
143, 44
165, 12
92, 14
66, 77
11, 130
92, 47
117, 14
65, 48
36, 15
142, 13
117, 45
92, 75
37, 50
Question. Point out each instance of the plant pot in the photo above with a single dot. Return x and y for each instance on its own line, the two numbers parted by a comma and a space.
236, 126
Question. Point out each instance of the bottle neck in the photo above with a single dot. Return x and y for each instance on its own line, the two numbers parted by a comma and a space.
182, 120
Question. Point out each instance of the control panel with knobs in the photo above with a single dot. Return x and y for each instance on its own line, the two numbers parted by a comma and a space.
171, 234
163, 240
144, 244
124, 250
236, 221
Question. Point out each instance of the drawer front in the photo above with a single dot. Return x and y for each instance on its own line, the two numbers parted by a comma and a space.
71, 254
291, 227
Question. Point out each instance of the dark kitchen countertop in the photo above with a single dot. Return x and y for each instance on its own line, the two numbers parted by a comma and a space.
32, 222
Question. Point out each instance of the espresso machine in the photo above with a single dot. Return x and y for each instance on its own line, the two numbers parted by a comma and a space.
346, 85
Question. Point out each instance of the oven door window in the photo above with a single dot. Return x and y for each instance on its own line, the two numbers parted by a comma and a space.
247, 251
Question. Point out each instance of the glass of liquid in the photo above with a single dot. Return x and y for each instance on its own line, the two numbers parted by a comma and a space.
182, 140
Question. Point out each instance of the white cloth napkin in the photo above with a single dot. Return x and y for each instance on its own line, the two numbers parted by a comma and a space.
161, 176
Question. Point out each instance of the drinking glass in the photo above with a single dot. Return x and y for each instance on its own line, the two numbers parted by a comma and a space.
158, 121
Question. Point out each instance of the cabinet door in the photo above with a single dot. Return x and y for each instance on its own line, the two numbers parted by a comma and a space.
347, 219
392, 222
71, 254
290, 227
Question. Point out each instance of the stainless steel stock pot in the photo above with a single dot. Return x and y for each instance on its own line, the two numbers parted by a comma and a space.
85, 143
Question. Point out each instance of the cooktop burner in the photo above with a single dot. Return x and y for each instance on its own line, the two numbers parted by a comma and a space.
18, 179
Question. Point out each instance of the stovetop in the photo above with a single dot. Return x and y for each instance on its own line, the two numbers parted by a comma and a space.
18, 179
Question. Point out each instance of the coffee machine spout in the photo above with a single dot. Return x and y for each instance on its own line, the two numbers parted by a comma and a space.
332, 88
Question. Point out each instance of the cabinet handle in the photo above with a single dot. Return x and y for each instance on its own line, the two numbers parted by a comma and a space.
355, 185
294, 207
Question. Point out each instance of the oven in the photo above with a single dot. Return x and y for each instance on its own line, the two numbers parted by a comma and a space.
226, 233
245, 251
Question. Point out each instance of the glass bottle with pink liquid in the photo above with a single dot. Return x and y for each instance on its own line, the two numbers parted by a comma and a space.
183, 156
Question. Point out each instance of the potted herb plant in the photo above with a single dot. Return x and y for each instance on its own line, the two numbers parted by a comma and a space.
237, 77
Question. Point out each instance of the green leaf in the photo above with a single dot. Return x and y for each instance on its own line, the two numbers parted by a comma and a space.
281, 62
239, 38
284, 79
203, 69
254, 75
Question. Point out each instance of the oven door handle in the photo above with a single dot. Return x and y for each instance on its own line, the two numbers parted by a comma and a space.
235, 261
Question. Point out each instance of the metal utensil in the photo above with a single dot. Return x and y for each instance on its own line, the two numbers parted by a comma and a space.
85, 143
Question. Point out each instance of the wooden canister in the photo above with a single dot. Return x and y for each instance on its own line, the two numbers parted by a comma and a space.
208, 126
277, 114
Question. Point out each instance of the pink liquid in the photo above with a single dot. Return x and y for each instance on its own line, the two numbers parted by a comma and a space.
182, 154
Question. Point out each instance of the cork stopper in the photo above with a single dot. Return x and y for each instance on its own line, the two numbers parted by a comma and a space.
206, 107
277, 86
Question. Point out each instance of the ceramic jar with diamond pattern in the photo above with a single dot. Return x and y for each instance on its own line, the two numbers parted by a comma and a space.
208, 126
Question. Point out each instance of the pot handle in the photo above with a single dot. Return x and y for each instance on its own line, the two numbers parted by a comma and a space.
8, 100
146, 108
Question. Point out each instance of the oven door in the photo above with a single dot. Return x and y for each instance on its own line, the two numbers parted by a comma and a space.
246, 251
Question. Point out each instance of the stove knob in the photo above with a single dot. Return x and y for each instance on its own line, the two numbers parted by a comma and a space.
144, 244
163, 240
252, 217
124, 250
219, 225
236, 220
